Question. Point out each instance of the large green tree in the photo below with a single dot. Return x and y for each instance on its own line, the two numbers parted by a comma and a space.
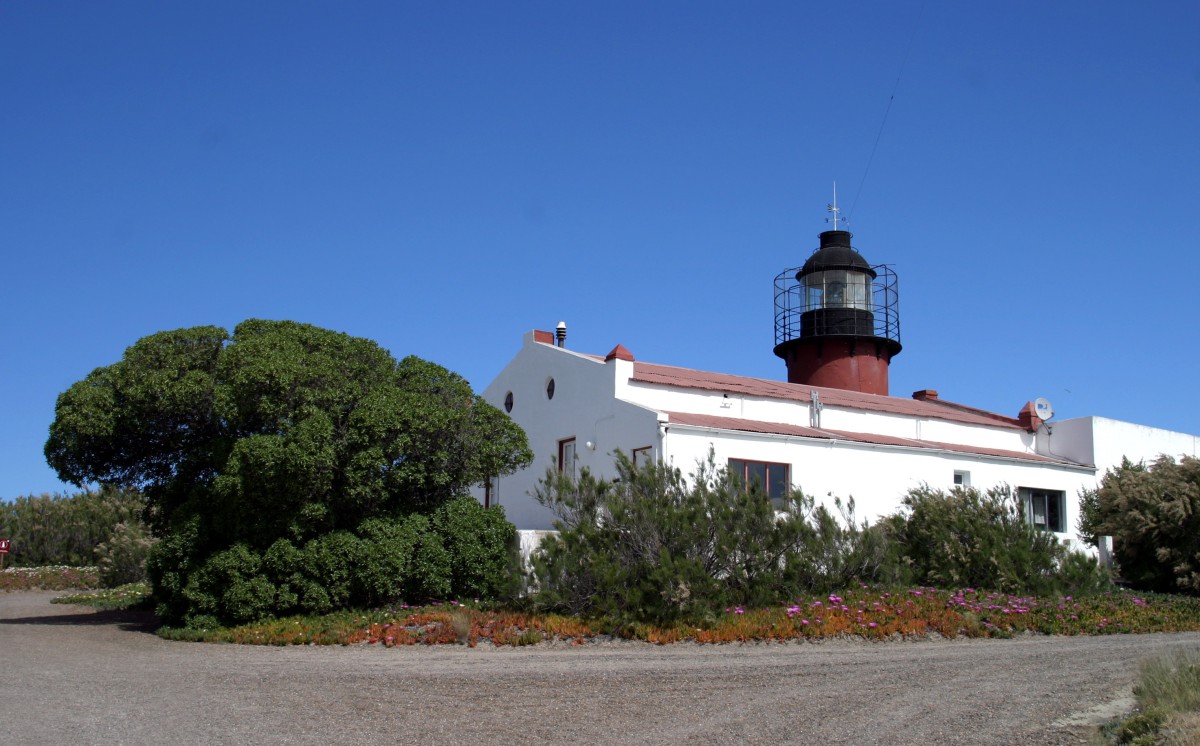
280, 431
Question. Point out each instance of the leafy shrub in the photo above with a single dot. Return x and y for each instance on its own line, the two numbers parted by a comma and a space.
331, 564
969, 538
480, 543
843, 551
389, 548
410, 559
227, 587
65, 529
122, 559
170, 563
1153, 514
655, 547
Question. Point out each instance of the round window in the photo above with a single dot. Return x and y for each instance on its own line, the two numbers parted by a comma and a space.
550, 389
508, 402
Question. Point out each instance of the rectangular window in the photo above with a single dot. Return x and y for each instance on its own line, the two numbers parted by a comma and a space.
962, 479
1045, 509
566, 457
643, 456
772, 479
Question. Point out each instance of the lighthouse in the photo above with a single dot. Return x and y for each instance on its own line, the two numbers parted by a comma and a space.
837, 322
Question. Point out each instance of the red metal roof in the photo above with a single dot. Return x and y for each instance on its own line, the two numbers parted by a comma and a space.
768, 389
778, 428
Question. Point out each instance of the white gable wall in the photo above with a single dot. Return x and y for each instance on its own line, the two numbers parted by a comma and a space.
583, 408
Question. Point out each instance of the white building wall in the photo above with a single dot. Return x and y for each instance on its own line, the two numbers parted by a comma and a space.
1106, 442
877, 477
583, 408
595, 402
698, 401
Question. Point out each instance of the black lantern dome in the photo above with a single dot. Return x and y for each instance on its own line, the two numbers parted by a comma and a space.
835, 252
836, 318
837, 288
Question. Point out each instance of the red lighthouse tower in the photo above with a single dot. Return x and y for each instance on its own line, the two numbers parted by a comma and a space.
836, 319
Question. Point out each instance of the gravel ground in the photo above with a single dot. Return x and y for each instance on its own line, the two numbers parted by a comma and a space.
72, 675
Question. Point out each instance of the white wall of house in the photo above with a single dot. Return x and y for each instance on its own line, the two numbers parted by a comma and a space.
716, 403
876, 476
1105, 442
595, 403
583, 408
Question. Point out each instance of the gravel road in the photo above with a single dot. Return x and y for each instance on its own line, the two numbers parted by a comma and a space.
72, 675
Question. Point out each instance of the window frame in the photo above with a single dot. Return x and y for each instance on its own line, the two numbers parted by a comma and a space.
768, 483
1030, 496
647, 456
564, 445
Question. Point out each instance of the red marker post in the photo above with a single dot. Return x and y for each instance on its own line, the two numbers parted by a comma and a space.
5, 546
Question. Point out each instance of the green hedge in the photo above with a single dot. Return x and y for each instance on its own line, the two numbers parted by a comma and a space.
461, 550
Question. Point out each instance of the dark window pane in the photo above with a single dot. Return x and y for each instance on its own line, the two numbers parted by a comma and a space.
756, 475
777, 485
1054, 512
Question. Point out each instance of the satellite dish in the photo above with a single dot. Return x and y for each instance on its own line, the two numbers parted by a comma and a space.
1042, 408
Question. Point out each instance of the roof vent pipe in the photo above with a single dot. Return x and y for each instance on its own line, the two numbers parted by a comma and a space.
560, 333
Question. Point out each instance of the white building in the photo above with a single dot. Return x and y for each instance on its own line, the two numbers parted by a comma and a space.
832, 431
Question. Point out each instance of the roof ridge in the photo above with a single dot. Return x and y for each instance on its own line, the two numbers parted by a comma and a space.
660, 373
974, 410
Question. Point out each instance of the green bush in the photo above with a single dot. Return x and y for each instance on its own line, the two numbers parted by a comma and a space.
655, 547
1153, 515
481, 544
968, 538
228, 587
464, 550
331, 565
122, 559
168, 567
65, 529
390, 547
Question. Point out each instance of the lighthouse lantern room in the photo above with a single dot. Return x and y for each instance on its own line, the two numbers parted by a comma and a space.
836, 318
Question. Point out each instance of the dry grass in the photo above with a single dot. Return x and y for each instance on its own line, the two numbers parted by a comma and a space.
1168, 695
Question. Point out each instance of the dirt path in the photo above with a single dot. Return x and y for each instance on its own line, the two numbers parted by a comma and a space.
72, 675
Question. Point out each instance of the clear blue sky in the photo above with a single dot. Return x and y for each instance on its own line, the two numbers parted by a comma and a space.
442, 177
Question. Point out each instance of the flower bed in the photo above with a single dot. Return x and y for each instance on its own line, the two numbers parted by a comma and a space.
50, 578
864, 613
